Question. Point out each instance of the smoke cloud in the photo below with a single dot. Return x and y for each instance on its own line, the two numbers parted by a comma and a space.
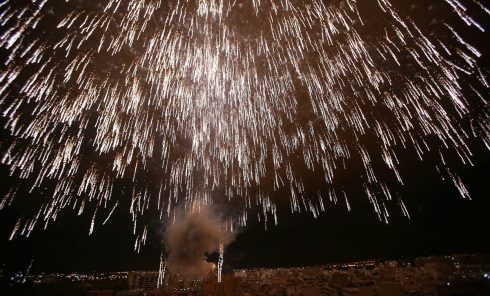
190, 238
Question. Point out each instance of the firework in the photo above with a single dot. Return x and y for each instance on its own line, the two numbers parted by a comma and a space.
161, 271
220, 260
184, 99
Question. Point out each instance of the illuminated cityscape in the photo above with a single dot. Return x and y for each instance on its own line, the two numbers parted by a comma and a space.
444, 275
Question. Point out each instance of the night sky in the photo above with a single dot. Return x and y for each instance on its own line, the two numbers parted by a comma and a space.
441, 221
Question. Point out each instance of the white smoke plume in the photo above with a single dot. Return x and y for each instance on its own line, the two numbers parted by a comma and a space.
190, 238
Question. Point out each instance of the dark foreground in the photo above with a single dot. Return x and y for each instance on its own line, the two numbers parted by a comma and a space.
449, 275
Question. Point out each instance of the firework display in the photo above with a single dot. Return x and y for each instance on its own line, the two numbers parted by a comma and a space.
183, 99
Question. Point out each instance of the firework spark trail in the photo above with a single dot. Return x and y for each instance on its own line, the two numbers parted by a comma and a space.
215, 102
220, 260
161, 271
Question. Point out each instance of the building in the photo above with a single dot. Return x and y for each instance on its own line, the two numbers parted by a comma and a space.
142, 280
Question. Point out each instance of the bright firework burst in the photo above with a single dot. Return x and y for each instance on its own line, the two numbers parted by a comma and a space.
188, 98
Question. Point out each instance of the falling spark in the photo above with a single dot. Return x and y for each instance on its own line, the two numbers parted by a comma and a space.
220, 261
161, 271
228, 96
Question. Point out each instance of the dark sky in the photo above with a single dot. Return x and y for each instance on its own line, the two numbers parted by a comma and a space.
441, 222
